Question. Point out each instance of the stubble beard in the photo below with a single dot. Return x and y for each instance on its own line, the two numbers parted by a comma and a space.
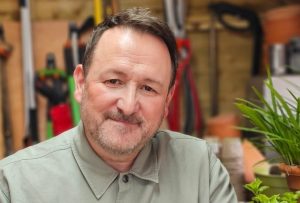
104, 133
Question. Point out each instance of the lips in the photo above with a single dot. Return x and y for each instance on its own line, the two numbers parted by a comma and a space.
121, 118
125, 122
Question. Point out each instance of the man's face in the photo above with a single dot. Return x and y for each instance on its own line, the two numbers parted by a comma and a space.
125, 96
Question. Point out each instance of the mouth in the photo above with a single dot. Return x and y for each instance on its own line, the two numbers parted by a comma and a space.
124, 122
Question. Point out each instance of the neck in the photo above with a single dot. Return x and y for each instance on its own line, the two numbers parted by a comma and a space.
121, 163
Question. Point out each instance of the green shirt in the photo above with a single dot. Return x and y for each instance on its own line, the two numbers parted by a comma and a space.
171, 168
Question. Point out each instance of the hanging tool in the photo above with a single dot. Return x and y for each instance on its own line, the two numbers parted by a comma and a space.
253, 25
175, 16
51, 82
30, 114
104, 8
5, 133
73, 55
214, 66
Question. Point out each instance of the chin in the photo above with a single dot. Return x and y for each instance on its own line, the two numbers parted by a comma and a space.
121, 145
119, 140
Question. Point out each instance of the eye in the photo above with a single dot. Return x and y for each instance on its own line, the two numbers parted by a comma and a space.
148, 89
113, 82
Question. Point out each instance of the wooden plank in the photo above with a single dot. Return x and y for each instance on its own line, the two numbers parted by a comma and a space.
2, 132
253, 4
234, 59
8, 10
48, 9
15, 84
59, 10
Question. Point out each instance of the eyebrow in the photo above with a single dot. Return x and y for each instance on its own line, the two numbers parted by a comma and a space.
153, 81
117, 72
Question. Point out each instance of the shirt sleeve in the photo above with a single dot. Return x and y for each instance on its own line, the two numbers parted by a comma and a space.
221, 189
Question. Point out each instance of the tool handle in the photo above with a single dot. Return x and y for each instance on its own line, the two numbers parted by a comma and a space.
74, 104
61, 118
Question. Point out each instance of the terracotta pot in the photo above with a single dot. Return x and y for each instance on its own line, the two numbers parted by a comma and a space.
292, 175
280, 25
223, 126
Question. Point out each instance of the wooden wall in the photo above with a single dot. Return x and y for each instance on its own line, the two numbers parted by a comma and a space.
234, 50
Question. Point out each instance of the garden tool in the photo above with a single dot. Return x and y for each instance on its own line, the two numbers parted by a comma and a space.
73, 54
175, 16
253, 25
51, 82
104, 8
31, 132
5, 50
213, 66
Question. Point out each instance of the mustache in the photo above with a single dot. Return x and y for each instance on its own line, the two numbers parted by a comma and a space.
119, 116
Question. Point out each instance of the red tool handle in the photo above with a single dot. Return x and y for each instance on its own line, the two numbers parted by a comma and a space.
174, 108
61, 118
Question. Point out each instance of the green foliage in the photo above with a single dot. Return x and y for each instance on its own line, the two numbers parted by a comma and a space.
278, 121
255, 187
257, 190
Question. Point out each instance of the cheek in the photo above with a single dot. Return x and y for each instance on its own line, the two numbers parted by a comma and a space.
153, 109
99, 98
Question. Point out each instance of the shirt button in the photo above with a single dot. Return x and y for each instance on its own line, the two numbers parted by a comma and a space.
125, 178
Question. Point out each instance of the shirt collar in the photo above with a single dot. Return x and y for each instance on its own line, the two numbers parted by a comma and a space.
99, 175
146, 164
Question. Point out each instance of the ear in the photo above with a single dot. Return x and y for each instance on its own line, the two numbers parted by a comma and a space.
79, 82
169, 99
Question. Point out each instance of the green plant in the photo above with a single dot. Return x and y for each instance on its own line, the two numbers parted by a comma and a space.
278, 121
257, 190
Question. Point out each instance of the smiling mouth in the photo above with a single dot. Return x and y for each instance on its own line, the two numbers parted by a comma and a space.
124, 122
130, 120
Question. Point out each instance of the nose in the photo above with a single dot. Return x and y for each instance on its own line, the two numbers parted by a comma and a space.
127, 102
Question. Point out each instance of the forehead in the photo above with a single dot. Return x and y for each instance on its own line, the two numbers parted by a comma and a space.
123, 36
129, 48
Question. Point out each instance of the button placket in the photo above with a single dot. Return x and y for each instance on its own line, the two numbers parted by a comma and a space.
124, 186
125, 178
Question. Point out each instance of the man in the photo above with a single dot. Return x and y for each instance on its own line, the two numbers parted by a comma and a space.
117, 154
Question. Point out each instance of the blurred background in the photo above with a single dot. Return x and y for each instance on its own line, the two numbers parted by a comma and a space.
225, 48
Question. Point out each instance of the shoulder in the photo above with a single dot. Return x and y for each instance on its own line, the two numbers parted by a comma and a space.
185, 154
182, 146
181, 141
41, 150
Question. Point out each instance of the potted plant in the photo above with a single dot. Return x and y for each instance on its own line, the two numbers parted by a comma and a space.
279, 122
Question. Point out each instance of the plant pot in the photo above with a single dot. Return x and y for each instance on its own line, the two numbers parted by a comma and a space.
280, 25
277, 183
292, 176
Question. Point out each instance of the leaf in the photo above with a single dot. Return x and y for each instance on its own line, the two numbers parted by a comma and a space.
262, 198
278, 121
263, 188
274, 199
